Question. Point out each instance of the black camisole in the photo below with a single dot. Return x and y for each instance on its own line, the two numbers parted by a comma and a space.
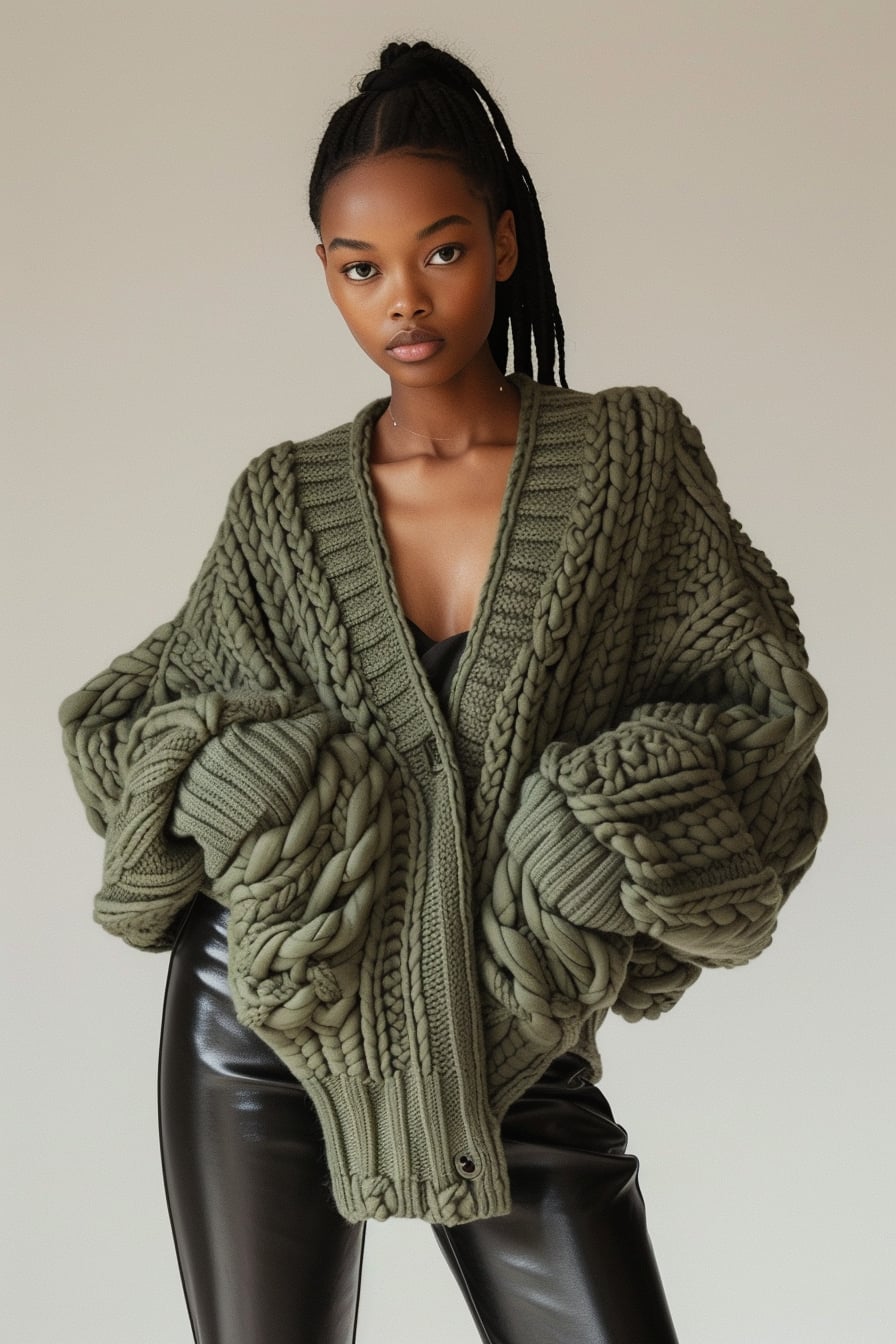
440, 658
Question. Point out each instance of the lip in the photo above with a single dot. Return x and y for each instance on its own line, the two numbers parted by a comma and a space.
413, 336
414, 344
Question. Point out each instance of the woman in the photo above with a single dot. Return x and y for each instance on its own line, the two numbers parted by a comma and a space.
483, 717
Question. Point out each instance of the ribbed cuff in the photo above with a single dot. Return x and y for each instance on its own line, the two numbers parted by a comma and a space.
406, 1146
147, 916
573, 873
253, 774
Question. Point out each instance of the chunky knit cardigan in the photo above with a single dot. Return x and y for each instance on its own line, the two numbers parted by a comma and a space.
427, 908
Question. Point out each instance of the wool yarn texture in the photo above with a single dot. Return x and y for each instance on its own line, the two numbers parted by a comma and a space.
428, 905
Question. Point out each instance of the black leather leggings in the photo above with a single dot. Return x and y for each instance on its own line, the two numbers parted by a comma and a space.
266, 1258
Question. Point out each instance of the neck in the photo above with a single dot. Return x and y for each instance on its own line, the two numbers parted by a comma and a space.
477, 406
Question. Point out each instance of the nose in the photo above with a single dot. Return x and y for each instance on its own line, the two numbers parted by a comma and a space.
409, 298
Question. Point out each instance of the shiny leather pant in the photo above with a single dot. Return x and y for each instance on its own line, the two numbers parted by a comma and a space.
265, 1256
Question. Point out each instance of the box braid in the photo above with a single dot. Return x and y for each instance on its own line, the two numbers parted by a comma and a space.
425, 100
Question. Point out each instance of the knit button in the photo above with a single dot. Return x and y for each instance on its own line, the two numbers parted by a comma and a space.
467, 1165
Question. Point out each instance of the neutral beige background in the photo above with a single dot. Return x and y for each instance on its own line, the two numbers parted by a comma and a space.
717, 183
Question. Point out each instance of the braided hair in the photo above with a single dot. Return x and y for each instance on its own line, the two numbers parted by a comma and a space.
426, 100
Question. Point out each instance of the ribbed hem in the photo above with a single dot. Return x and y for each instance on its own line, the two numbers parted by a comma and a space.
395, 1150
573, 873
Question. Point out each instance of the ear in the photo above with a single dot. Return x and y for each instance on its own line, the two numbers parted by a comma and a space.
506, 248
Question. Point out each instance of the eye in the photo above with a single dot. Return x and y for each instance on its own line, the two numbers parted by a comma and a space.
363, 270
446, 254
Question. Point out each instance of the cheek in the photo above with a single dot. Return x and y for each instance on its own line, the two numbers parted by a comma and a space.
333, 292
477, 297
351, 312
485, 298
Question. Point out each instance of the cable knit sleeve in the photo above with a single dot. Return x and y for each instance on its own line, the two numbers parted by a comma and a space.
687, 824
134, 733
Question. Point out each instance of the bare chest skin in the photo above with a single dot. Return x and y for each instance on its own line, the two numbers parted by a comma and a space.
440, 516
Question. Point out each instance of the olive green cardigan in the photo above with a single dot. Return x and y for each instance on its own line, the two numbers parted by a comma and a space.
426, 909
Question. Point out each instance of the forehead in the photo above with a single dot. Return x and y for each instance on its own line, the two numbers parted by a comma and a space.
396, 192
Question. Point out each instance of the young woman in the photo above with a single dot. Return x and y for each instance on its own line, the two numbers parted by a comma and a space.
483, 717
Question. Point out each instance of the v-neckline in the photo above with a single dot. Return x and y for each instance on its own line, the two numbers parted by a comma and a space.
360, 450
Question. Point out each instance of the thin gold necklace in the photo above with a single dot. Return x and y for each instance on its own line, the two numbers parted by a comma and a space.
433, 438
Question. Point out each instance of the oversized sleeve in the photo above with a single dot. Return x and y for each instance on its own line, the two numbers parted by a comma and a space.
686, 825
135, 734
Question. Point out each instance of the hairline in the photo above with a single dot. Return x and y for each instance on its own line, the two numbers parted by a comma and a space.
413, 152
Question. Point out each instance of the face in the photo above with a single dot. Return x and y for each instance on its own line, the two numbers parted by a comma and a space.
411, 262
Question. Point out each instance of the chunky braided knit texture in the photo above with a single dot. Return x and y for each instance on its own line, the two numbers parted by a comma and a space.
425, 908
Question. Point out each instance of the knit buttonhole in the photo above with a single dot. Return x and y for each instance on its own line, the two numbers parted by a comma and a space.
432, 753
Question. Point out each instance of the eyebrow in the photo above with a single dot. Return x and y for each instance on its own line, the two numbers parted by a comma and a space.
357, 245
